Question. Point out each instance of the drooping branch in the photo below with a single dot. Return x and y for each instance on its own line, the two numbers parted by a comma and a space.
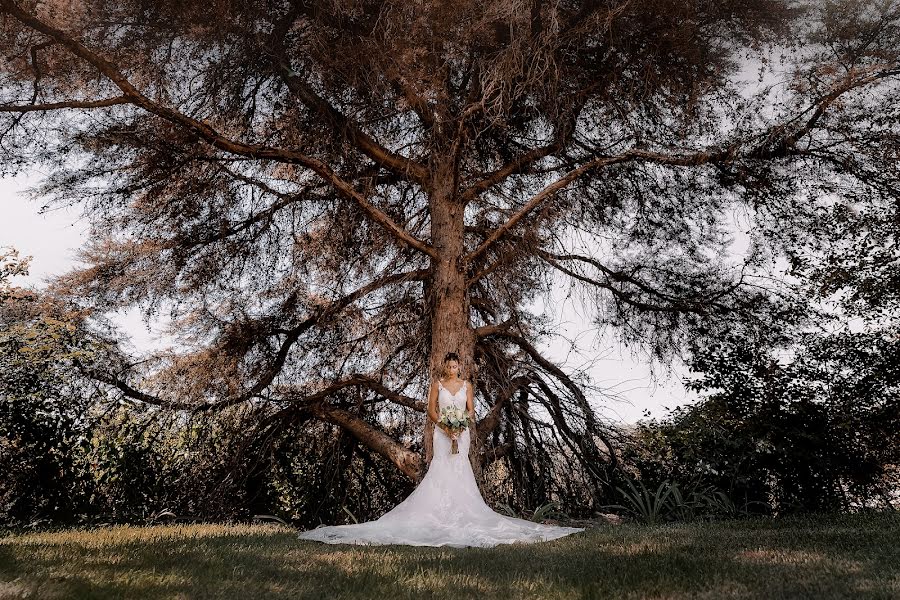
588, 412
697, 304
210, 134
580, 446
489, 422
373, 383
410, 463
355, 380
407, 461
291, 335
129, 391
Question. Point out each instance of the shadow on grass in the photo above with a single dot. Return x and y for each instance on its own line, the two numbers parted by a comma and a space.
837, 557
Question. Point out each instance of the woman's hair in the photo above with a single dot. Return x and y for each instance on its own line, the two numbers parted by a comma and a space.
450, 356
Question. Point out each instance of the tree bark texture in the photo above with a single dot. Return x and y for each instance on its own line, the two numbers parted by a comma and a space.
451, 329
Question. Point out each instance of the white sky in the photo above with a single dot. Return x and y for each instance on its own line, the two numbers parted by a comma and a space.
52, 238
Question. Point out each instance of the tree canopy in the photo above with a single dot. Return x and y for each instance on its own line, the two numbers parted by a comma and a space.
327, 197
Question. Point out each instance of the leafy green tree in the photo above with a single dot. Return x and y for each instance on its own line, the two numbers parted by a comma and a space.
42, 406
816, 431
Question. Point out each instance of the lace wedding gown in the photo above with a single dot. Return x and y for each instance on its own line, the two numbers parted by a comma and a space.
445, 509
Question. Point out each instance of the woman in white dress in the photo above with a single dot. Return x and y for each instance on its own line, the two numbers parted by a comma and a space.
446, 508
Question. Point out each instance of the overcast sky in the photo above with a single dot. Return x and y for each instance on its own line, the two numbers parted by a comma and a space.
52, 238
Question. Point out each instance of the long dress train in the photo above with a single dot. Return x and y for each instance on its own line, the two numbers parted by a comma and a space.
445, 509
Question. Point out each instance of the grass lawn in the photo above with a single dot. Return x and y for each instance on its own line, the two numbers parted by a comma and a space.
821, 558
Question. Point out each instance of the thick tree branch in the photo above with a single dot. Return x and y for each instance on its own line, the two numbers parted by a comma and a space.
488, 330
24, 108
410, 463
364, 142
693, 159
563, 133
781, 139
301, 88
511, 168
539, 199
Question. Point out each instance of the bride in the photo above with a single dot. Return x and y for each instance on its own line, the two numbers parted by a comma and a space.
446, 508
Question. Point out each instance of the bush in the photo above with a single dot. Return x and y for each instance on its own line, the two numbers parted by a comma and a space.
809, 435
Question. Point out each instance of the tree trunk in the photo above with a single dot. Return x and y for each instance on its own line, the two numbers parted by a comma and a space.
449, 302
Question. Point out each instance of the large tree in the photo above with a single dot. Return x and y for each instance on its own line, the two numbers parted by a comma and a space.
329, 196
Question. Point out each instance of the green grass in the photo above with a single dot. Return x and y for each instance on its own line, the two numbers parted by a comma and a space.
821, 558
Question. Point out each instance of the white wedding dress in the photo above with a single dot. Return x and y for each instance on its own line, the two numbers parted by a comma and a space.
445, 509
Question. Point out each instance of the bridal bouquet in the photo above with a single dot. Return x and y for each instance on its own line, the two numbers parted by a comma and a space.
455, 419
